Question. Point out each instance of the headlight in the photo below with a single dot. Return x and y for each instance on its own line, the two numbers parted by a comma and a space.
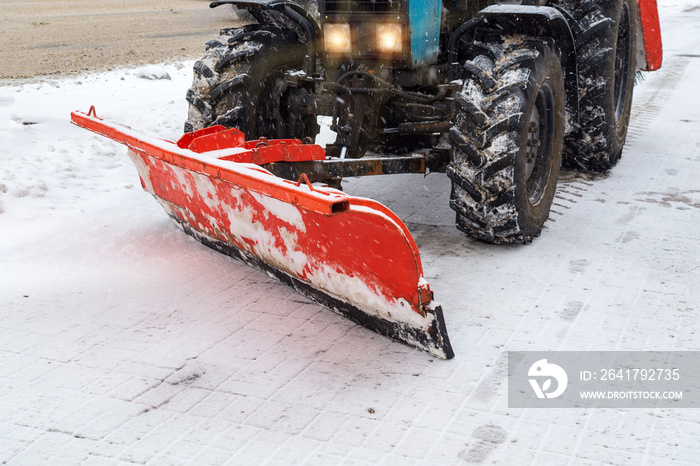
389, 37
336, 38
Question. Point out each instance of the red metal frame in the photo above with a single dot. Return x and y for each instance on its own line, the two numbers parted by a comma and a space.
651, 32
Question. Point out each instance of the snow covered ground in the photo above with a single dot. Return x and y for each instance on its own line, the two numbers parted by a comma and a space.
122, 340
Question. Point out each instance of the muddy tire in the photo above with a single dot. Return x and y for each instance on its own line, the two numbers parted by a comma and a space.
605, 47
243, 81
507, 141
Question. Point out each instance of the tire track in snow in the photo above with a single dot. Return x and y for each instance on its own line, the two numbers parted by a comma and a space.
573, 184
644, 112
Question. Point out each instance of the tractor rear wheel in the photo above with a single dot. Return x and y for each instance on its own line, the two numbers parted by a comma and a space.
605, 47
245, 80
507, 140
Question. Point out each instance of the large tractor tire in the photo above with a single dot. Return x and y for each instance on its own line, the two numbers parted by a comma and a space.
605, 48
244, 81
507, 140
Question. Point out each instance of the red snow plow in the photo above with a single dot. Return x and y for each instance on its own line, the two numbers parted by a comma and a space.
352, 255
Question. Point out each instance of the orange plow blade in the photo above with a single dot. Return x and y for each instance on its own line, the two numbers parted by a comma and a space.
351, 255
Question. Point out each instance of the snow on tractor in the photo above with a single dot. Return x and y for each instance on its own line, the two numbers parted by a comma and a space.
496, 95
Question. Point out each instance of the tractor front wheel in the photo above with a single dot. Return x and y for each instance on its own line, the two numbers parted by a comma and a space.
507, 140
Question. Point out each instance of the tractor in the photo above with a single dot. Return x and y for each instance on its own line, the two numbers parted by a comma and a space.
498, 95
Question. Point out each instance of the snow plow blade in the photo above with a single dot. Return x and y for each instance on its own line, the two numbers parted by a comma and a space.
351, 255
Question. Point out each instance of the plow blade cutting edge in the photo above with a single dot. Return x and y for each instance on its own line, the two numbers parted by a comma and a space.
351, 255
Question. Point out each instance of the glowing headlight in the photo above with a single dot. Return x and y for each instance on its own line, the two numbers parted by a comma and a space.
336, 38
389, 38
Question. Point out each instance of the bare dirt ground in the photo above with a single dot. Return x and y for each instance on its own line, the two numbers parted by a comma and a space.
71, 36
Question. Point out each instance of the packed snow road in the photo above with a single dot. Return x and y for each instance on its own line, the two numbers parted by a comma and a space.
122, 340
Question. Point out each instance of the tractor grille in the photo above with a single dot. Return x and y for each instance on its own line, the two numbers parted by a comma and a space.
361, 6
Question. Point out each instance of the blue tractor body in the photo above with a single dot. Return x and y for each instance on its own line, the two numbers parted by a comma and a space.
424, 19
